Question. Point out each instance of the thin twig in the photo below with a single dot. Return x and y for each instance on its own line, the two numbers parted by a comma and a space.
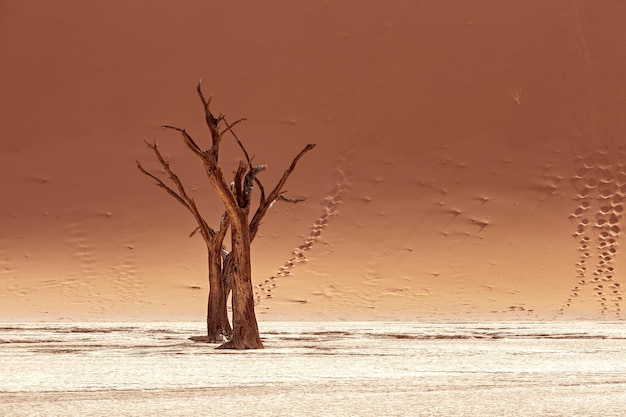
283, 197
229, 128
161, 184
188, 139
181, 196
232, 132
211, 121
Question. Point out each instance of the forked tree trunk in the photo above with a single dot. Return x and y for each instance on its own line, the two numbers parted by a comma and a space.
236, 198
217, 314
245, 329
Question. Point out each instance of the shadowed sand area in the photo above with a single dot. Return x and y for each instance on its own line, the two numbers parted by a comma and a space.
469, 157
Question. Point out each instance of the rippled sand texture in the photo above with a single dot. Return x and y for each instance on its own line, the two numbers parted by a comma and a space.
460, 144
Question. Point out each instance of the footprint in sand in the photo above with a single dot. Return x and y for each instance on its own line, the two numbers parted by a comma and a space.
603, 176
330, 207
77, 289
9, 284
128, 286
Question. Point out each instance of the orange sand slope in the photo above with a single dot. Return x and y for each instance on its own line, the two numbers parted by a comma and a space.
469, 159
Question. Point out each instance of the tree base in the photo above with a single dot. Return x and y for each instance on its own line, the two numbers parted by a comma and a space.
207, 339
241, 345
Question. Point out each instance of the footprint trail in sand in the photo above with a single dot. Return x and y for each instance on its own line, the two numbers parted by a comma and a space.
600, 181
330, 207
79, 289
129, 288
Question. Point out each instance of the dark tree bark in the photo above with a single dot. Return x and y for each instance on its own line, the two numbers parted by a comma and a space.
245, 328
218, 326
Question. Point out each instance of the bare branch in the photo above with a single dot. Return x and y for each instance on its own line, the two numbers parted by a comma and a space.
283, 197
212, 232
262, 209
229, 128
246, 154
188, 139
239, 184
249, 180
224, 192
164, 186
210, 160
211, 121
181, 196
205, 103
224, 225
232, 132
262, 197
330, 205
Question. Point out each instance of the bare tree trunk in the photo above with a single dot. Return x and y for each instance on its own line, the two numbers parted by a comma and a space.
217, 314
245, 329
236, 199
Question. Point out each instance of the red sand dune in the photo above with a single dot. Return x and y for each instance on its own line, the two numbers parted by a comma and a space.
480, 137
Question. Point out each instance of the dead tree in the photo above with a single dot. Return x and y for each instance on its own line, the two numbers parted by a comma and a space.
218, 326
237, 199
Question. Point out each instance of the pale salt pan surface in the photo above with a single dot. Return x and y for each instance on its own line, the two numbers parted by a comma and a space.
332, 369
